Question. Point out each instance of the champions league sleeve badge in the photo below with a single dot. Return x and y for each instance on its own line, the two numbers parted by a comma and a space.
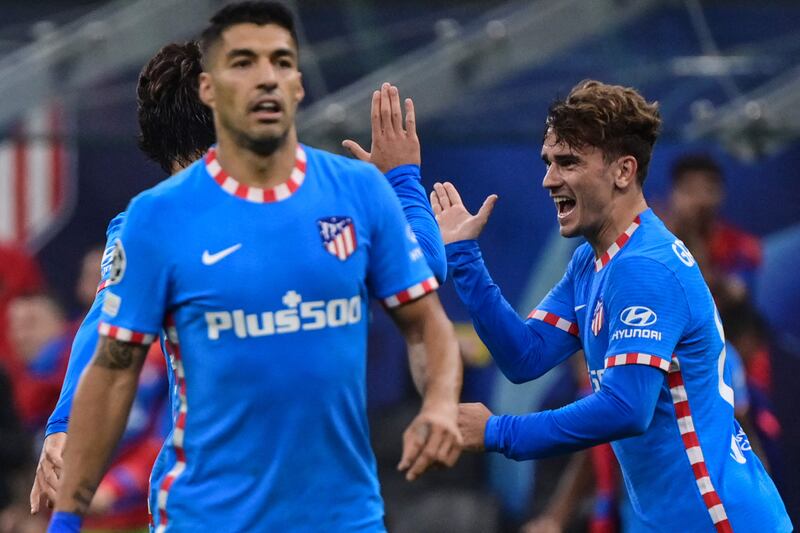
118, 264
338, 236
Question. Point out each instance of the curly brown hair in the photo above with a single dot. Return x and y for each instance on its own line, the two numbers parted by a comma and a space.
615, 119
174, 125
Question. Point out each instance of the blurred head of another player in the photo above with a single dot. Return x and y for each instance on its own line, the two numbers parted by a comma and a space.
250, 76
175, 127
697, 191
597, 147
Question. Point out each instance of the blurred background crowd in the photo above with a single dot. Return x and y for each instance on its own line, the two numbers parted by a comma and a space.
724, 177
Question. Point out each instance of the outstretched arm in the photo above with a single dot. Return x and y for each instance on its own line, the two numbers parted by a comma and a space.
523, 350
396, 152
99, 413
623, 407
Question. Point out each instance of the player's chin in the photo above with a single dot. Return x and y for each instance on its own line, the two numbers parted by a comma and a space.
568, 227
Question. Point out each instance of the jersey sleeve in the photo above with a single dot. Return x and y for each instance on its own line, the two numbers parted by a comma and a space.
523, 350
407, 184
397, 272
622, 408
647, 312
85, 340
558, 306
135, 295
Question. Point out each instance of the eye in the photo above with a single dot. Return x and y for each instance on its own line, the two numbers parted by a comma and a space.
285, 63
241, 63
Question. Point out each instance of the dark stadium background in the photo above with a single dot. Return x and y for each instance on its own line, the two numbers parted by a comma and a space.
487, 140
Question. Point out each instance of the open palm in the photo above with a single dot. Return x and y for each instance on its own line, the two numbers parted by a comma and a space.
455, 222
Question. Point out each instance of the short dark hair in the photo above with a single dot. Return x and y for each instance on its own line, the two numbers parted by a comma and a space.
702, 163
615, 119
259, 13
174, 125
55, 301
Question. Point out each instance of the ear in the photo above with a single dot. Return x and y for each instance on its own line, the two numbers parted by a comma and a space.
625, 173
301, 91
205, 89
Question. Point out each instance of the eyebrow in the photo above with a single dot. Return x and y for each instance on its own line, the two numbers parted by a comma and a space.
247, 52
567, 159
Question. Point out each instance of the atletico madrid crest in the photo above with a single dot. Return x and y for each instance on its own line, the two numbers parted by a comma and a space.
338, 236
597, 318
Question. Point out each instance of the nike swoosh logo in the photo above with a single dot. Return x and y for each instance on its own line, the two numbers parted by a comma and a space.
210, 259
579, 307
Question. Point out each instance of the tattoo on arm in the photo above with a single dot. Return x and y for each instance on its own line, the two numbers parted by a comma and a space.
83, 496
119, 355
418, 361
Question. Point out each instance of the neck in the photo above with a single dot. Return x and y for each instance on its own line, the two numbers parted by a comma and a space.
621, 216
256, 170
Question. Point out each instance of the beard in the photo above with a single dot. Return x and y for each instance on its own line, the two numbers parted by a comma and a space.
264, 145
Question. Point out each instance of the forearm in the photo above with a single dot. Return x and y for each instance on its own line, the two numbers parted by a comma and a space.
517, 348
435, 361
407, 185
99, 414
622, 408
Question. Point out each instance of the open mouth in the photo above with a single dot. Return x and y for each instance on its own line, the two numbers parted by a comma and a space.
267, 110
564, 205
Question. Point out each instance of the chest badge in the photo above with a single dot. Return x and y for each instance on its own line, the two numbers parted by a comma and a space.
338, 236
597, 318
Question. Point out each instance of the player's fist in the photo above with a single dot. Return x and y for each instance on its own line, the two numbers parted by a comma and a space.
431, 438
48, 472
472, 419
393, 142
455, 222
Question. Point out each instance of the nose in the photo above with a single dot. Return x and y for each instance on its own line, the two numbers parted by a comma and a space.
551, 179
267, 76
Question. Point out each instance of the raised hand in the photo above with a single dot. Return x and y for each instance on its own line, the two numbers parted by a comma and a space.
393, 143
431, 438
455, 222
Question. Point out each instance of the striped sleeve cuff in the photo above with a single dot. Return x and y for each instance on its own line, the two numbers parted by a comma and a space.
125, 335
636, 358
411, 293
555, 320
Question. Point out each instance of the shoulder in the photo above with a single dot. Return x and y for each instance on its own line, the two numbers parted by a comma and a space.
582, 254
654, 244
168, 195
341, 167
582, 259
114, 226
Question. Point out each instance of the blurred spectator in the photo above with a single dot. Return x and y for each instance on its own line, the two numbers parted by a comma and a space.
16, 463
728, 256
88, 278
40, 338
19, 273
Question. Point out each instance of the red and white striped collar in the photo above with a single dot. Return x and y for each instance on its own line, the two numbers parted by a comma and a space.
257, 194
617, 245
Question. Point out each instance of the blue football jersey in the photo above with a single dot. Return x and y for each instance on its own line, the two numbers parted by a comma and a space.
645, 302
263, 295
